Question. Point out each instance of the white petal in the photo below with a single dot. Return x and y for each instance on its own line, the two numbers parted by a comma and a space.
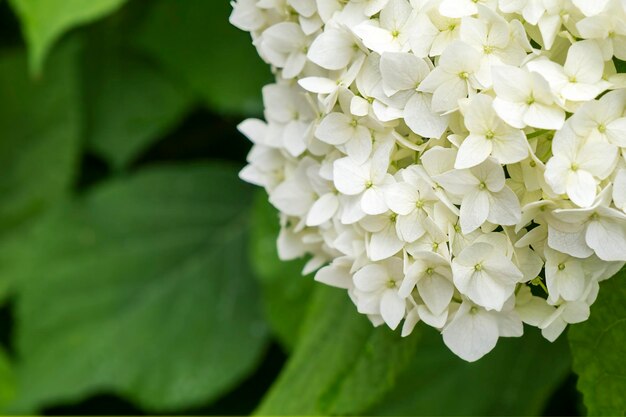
421, 119
384, 244
359, 147
504, 208
571, 242
474, 210
322, 210
474, 150
447, 96
370, 278
335, 276
436, 291
332, 49
608, 239
401, 197
402, 71
318, 85
471, 335
511, 112
335, 129
544, 117
581, 188
392, 308
585, 62
373, 201
349, 178
410, 227
619, 190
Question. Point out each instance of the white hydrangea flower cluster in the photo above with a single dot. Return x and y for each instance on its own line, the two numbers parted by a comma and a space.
456, 162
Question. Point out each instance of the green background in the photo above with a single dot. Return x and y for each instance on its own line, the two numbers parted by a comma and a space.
138, 274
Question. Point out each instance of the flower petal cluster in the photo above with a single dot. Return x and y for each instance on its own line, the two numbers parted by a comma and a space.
456, 162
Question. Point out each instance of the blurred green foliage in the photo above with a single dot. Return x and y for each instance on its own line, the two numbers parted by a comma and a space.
139, 274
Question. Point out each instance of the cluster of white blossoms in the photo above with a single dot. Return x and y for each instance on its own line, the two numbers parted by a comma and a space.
456, 162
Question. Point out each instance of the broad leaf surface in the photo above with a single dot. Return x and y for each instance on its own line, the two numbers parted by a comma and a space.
140, 288
39, 134
599, 348
45, 21
194, 39
341, 364
516, 378
130, 102
286, 292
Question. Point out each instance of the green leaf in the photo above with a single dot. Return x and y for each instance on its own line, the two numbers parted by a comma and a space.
141, 288
39, 134
341, 365
216, 59
516, 378
599, 348
286, 292
45, 21
130, 102
7, 380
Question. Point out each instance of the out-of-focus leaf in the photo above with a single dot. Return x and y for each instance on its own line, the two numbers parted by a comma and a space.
7, 380
39, 133
44, 21
599, 348
516, 378
194, 39
130, 102
140, 288
286, 292
341, 364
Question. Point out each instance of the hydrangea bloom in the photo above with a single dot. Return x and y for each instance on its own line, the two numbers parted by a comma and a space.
456, 162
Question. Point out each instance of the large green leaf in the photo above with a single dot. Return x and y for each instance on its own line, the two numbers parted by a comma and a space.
39, 134
140, 288
599, 348
130, 102
7, 380
341, 364
286, 292
517, 378
44, 21
194, 40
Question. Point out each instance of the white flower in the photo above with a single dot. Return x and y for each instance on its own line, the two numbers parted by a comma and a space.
392, 31
454, 78
376, 288
580, 79
565, 276
432, 275
619, 190
367, 180
484, 195
569, 312
335, 48
485, 275
489, 136
413, 201
474, 331
462, 8
578, 165
402, 137
602, 119
402, 74
491, 36
285, 45
524, 98
601, 228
